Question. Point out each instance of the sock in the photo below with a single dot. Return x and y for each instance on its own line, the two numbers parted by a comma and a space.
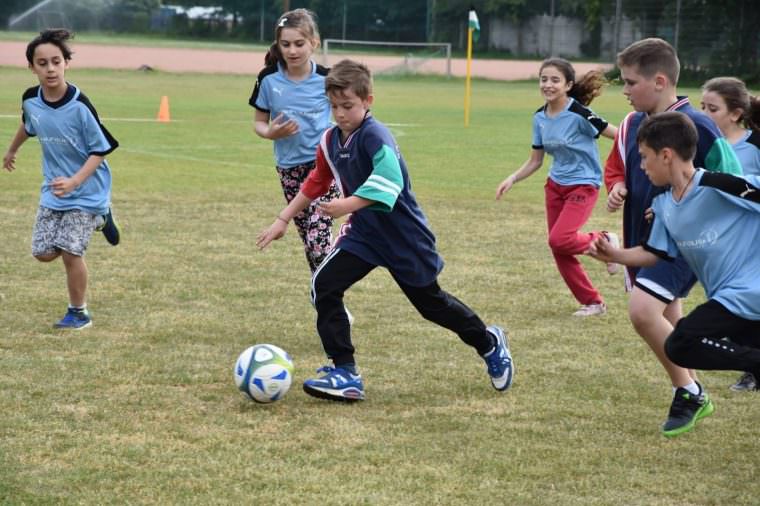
692, 388
78, 309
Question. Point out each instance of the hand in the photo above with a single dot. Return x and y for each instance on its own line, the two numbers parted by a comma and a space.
334, 208
649, 214
504, 187
274, 232
616, 198
601, 249
63, 185
9, 161
281, 127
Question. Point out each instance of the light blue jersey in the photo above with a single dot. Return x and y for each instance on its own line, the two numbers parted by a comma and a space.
570, 138
69, 132
304, 101
748, 152
715, 228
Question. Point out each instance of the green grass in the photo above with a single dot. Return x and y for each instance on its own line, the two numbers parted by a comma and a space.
142, 408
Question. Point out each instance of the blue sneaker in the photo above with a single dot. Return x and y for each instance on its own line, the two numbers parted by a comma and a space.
337, 384
74, 320
110, 229
499, 360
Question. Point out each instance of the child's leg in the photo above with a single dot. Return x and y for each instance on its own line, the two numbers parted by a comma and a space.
314, 228
567, 210
442, 308
334, 276
647, 314
697, 341
76, 278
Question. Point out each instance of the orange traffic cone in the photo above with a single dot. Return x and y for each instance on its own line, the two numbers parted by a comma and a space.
163, 110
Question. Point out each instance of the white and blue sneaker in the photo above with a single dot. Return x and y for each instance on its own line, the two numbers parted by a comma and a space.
74, 319
499, 360
337, 384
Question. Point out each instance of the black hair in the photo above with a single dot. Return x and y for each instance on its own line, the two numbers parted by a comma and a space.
586, 89
672, 130
56, 36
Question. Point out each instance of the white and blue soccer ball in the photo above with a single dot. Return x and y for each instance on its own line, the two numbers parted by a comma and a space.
264, 372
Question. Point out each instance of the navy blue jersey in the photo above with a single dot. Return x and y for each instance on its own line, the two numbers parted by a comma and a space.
624, 164
393, 232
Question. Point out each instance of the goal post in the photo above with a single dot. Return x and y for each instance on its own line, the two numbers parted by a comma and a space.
391, 57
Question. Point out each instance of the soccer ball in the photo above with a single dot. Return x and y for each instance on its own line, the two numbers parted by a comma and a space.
264, 372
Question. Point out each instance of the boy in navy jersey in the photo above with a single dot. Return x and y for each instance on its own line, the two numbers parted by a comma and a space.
386, 228
710, 220
649, 69
76, 190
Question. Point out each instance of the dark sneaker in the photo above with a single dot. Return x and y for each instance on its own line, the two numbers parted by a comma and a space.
685, 411
110, 229
74, 320
746, 382
337, 384
499, 360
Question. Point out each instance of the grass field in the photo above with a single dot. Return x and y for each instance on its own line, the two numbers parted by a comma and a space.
142, 408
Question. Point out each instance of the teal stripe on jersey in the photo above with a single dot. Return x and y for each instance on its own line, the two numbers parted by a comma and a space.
385, 183
721, 158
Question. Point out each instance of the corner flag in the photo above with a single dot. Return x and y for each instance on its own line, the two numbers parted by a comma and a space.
474, 25
473, 32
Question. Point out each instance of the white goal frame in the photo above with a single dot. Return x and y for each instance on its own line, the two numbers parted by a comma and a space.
445, 45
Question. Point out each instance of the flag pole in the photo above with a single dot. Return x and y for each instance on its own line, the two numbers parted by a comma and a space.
467, 79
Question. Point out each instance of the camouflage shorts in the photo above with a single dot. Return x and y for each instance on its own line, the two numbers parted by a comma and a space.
69, 231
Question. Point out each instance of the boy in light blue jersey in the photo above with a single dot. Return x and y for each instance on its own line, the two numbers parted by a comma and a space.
76, 189
710, 220
386, 228
737, 113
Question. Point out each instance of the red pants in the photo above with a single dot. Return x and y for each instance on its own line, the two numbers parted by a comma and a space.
568, 208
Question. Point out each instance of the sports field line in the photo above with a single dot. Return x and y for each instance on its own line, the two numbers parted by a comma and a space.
174, 156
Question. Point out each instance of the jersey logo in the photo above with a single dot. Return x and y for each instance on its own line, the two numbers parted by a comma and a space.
747, 191
35, 118
277, 90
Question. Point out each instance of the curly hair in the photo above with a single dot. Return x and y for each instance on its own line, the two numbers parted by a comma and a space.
55, 36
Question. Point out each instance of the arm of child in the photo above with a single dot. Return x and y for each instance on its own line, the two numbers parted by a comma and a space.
275, 129
9, 159
610, 132
62, 185
280, 225
530, 166
602, 250
340, 207
614, 178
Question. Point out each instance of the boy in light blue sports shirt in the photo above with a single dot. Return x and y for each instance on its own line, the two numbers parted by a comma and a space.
711, 220
76, 189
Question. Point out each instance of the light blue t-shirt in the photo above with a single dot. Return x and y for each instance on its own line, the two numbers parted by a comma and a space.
715, 228
570, 138
747, 150
304, 101
69, 132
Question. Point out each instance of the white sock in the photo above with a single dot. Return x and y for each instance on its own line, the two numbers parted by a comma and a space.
692, 388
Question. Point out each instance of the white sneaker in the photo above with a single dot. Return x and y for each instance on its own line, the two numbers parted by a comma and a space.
614, 240
592, 310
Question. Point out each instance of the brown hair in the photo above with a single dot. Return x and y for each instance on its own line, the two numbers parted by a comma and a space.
55, 36
302, 20
584, 91
349, 75
672, 130
651, 56
734, 92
